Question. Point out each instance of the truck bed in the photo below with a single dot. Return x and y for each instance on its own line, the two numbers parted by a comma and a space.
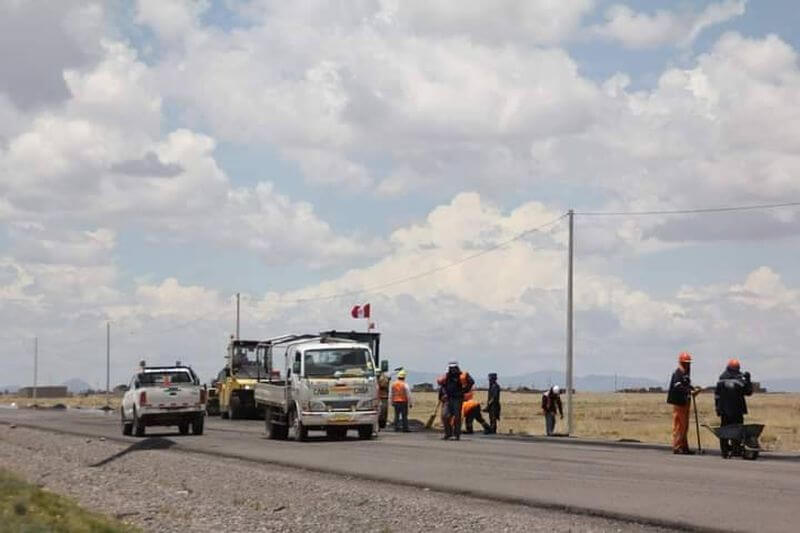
271, 393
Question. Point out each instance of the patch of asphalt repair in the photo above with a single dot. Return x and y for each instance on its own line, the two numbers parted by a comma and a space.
158, 487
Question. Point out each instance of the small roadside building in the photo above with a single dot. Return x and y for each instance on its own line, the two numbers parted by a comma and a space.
47, 391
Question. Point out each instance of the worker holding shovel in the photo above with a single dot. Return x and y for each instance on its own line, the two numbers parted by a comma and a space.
680, 396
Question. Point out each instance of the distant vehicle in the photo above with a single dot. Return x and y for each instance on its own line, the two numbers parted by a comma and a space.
323, 383
212, 399
163, 396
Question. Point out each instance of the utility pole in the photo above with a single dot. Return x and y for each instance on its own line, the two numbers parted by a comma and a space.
237, 316
570, 417
108, 362
35, 365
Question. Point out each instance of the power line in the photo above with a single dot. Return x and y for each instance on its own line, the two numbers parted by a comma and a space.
431, 271
689, 211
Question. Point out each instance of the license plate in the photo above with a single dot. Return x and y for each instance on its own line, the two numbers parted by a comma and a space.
340, 418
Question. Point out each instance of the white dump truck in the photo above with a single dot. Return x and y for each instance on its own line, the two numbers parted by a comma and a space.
319, 383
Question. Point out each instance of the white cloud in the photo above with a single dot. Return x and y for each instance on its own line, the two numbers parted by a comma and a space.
642, 30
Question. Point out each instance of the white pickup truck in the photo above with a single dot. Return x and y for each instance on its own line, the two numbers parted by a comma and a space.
163, 396
326, 384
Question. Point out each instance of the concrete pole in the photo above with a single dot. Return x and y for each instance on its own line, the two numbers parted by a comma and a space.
35, 365
570, 418
108, 361
237, 316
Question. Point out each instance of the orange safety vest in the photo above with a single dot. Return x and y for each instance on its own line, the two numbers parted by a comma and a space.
399, 392
468, 406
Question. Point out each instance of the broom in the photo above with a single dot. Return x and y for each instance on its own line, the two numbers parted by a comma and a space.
429, 423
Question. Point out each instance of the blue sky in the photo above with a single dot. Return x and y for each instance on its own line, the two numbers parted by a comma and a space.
188, 151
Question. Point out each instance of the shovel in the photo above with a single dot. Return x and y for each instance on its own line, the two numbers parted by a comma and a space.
429, 423
697, 424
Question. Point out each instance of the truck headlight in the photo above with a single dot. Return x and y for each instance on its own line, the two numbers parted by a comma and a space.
317, 406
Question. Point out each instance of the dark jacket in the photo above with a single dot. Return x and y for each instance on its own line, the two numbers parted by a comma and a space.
453, 387
493, 399
551, 402
680, 387
729, 395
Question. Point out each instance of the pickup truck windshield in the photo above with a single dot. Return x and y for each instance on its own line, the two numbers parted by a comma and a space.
163, 379
337, 362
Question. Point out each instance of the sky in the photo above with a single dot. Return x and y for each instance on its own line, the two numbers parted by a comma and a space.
159, 156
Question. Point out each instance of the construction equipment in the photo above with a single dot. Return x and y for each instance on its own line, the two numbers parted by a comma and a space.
236, 383
743, 438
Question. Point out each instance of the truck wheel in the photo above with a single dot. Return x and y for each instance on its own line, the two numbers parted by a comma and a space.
138, 424
183, 428
233, 413
127, 427
365, 432
223, 414
300, 433
197, 424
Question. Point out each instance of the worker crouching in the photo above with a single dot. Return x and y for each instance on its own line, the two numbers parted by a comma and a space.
471, 413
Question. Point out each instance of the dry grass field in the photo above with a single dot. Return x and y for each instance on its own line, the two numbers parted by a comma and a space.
643, 417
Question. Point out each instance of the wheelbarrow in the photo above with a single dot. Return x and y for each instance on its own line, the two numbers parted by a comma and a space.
743, 438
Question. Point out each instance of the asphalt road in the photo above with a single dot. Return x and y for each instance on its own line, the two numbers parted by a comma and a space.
704, 492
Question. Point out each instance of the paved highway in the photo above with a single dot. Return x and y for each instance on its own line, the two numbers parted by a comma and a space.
703, 492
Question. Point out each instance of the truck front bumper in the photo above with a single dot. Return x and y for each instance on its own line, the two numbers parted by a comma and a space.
351, 419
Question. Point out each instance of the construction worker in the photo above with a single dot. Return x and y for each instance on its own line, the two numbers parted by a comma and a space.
401, 401
471, 412
551, 402
453, 386
680, 396
493, 403
383, 396
729, 400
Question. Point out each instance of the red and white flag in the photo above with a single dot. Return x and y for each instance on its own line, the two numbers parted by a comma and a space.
360, 311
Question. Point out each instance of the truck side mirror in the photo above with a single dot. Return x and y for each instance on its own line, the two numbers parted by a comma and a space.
384, 366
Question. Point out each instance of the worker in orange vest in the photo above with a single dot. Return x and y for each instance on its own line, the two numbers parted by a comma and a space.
401, 401
471, 412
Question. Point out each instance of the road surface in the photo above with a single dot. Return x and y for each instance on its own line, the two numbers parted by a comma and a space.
702, 492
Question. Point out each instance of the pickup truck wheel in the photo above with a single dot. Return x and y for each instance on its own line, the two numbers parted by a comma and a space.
365, 432
183, 428
197, 424
138, 424
298, 430
127, 427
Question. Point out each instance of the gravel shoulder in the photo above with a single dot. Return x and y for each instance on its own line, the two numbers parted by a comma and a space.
156, 489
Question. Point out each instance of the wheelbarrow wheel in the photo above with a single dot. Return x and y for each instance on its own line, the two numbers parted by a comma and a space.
750, 455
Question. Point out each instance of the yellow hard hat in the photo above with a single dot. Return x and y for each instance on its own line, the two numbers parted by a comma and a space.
402, 374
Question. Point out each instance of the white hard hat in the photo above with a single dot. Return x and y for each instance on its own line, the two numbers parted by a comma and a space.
452, 363
556, 389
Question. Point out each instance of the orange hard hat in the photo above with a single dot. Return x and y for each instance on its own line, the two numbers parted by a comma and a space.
685, 357
733, 363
